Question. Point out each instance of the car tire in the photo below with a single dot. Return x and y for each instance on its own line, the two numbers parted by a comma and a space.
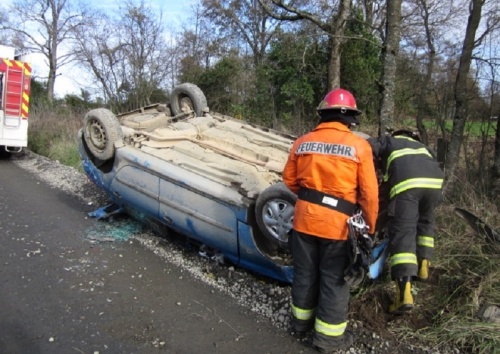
274, 210
187, 97
101, 129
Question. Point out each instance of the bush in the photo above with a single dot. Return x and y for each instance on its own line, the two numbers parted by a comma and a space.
52, 133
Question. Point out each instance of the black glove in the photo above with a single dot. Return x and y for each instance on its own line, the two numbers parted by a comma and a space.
366, 242
359, 256
354, 274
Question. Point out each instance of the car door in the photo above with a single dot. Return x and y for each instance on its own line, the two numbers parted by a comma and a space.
136, 188
199, 216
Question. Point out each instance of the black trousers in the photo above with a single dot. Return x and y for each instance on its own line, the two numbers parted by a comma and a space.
319, 291
411, 228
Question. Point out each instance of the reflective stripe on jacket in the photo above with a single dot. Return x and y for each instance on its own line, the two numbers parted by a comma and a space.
333, 160
408, 164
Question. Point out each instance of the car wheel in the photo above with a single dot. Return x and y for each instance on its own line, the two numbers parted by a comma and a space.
187, 97
274, 210
101, 130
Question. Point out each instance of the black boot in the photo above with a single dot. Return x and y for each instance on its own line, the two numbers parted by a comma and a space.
341, 342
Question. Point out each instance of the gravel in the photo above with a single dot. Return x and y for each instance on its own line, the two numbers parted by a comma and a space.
270, 300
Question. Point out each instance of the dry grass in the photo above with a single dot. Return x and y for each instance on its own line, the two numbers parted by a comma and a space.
52, 133
465, 276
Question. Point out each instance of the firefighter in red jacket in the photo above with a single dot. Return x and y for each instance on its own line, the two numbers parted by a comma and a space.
331, 170
412, 182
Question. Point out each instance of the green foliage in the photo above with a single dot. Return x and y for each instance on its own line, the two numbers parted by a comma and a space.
190, 70
66, 152
261, 103
361, 69
221, 82
39, 142
52, 132
159, 95
295, 73
78, 103
38, 93
407, 83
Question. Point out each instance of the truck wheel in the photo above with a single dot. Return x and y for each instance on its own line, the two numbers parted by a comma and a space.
187, 97
101, 129
274, 210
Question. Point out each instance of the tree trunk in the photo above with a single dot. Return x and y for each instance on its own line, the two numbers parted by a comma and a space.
422, 94
460, 93
336, 41
334, 64
496, 163
391, 49
51, 79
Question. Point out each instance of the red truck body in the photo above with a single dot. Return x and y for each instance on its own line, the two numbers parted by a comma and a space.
15, 80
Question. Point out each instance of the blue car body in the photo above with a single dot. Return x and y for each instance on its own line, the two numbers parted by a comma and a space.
196, 199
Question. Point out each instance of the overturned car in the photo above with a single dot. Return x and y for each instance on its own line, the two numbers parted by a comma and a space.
212, 178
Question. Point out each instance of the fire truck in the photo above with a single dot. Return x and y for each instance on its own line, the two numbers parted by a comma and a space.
15, 80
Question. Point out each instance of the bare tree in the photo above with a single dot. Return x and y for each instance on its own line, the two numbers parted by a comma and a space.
424, 28
374, 11
330, 18
461, 87
200, 43
45, 26
127, 55
244, 19
3, 20
144, 48
100, 52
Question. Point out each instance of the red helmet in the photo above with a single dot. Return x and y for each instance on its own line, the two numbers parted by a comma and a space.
339, 99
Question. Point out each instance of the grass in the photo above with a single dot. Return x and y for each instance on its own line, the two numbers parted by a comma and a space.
53, 134
465, 274
472, 128
464, 277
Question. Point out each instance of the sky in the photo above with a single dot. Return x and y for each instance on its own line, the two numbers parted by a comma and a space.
71, 80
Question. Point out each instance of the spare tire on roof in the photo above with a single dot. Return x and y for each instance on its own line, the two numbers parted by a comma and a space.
101, 130
187, 97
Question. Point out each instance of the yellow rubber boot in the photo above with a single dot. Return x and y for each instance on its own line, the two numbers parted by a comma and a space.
423, 269
403, 301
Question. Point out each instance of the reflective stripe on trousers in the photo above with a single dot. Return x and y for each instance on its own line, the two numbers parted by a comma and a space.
302, 314
403, 258
425, 241
328, 329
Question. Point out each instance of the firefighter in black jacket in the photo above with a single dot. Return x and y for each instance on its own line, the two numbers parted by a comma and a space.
412, 180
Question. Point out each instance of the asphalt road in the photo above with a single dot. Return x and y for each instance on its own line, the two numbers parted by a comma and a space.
60, 293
